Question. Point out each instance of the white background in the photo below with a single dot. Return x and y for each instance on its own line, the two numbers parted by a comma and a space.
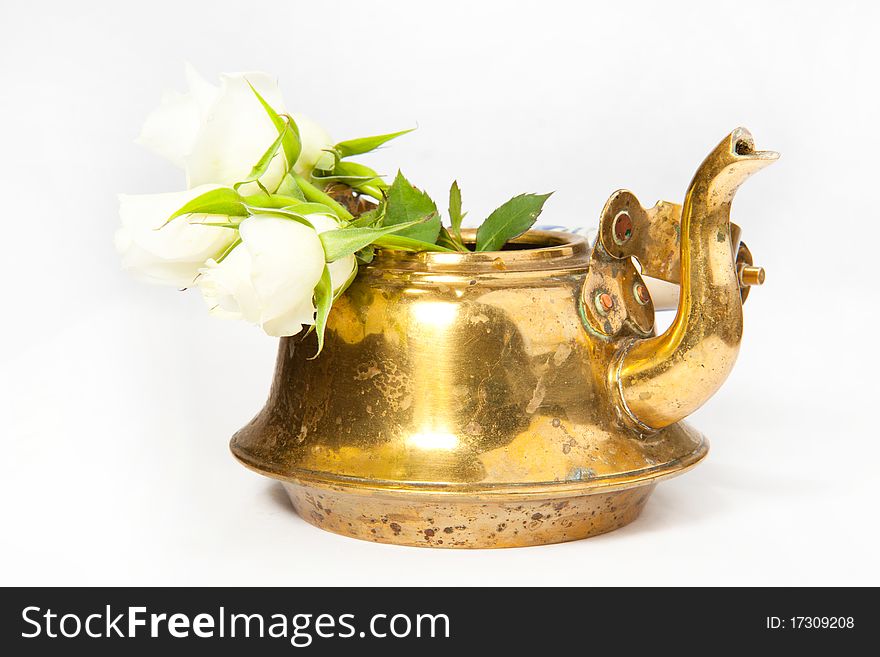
117, 398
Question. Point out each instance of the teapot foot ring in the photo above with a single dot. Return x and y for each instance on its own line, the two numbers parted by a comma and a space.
459, 520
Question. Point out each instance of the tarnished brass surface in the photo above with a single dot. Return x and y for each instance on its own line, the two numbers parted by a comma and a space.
466, 521
664, 379
495, 399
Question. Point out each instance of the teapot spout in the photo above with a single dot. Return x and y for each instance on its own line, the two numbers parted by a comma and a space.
660, 380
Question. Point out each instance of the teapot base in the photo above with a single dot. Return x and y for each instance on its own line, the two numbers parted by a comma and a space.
482, 514
461, 520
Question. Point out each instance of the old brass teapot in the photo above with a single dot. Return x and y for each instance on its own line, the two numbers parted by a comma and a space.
518, 397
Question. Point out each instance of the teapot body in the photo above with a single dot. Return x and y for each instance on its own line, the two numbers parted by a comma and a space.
463, 392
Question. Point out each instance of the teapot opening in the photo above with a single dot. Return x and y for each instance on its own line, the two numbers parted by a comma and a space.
519, 246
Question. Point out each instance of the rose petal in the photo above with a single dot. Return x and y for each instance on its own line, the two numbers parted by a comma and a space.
172, 128
227, 287
314, 141
235, 134
287, 263
172, 253
340, 270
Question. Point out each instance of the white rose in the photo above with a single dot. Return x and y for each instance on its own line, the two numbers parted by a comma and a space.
315, 144
218, 134
269, 279
171, 254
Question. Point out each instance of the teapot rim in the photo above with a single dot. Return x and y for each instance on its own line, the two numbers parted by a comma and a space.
534, 250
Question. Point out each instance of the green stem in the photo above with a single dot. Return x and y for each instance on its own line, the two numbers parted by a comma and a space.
371, 191
315, 195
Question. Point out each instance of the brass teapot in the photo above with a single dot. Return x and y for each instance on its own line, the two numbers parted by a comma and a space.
517, 397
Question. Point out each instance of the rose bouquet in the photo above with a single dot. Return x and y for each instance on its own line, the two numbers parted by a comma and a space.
276, 217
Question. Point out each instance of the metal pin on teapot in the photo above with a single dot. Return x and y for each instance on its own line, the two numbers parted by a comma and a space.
519, 397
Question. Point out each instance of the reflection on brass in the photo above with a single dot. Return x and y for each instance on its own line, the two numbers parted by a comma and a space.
517, 397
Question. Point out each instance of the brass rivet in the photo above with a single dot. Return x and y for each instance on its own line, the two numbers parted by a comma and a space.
641, 294
604, 303
622, 227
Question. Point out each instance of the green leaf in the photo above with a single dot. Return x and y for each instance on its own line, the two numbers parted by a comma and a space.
447, 240
269, 202
220, 258
365, 144
300, 210
291, 142
352, 174
343, 242
225, 224
365, 255
356, 169
311, 208
401, 243
455, 215
357, 176
316, 195
509, 221
284, 213
224, 201
325, 177
327, 160
368, 218
265, 161
406, 203
323, 302
272, 200
288, 187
